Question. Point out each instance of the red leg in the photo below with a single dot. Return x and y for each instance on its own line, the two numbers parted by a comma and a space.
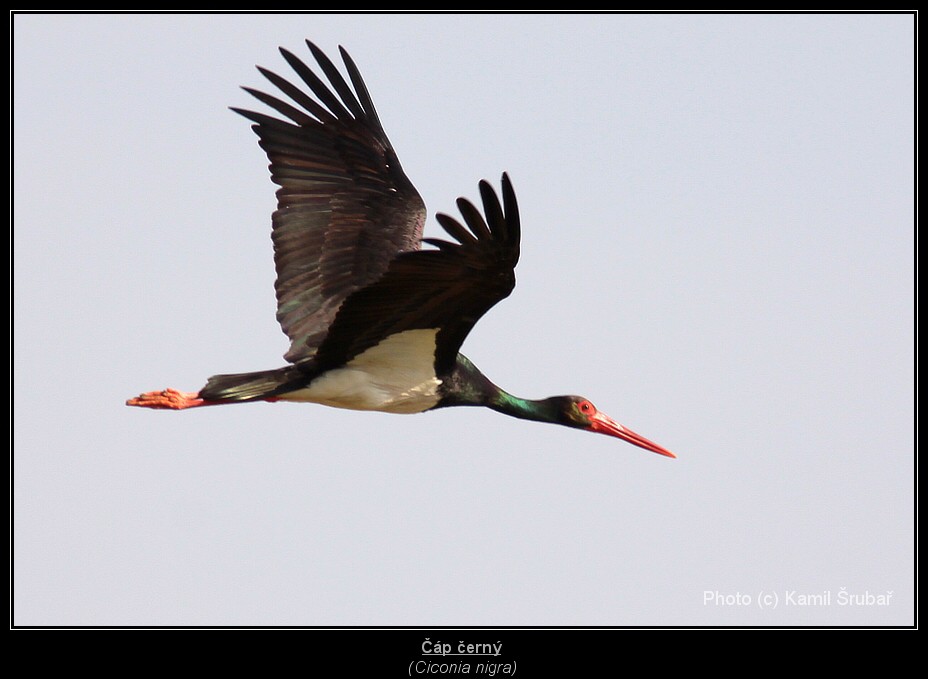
169, 399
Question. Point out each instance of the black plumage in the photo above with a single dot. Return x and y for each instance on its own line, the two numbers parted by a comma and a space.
347, 236
345, 208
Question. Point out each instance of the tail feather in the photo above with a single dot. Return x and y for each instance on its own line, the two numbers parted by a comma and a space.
252, 386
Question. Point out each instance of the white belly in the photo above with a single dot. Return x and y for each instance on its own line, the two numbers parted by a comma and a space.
396, 376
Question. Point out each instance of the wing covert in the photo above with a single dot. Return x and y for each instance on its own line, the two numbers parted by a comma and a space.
448, 288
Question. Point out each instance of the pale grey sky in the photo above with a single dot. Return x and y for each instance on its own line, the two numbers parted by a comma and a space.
717, 250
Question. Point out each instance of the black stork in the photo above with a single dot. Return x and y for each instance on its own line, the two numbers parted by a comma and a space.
375, 321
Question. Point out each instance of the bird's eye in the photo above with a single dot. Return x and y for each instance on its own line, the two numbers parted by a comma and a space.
586, 407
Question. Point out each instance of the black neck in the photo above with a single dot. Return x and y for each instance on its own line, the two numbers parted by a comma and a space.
467, 386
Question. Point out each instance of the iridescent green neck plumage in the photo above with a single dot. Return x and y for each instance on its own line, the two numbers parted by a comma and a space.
467, 386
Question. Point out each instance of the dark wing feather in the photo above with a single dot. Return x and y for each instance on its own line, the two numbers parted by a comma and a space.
345, 209
448, 289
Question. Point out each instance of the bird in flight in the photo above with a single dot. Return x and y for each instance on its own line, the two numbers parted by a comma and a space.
375, 320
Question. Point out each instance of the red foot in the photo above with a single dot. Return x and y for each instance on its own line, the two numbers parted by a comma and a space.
168, 398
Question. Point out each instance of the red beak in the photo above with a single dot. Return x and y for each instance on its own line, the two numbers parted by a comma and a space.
604, 424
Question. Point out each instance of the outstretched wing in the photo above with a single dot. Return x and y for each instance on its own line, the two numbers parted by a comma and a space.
345, 209
447, 289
